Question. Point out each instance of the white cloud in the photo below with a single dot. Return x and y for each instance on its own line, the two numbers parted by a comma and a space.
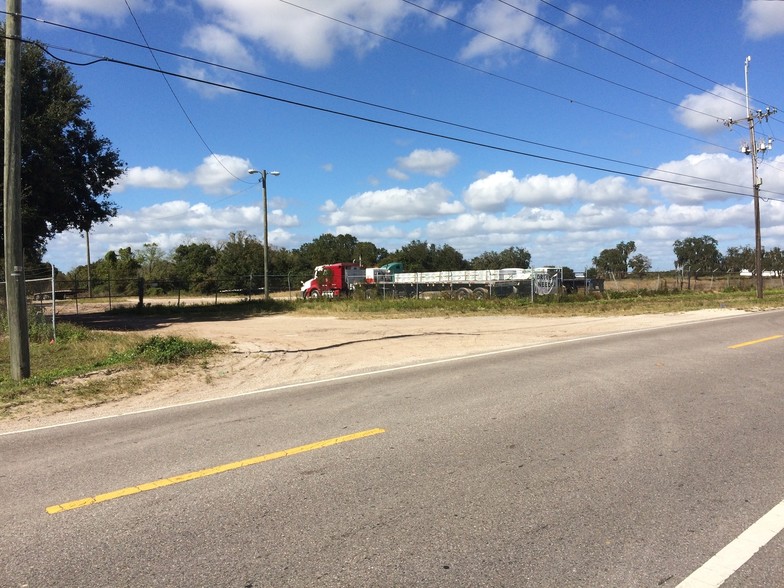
707, 112
217, 173
762, 19
495, 191
302, 36
435, 162
170, 224
220, 45
715, 171
500, 21
396, 204
77, 10
396, 174
152, 177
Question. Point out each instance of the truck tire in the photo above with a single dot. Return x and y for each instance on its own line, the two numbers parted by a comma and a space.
480, 293
313, 295
464, 294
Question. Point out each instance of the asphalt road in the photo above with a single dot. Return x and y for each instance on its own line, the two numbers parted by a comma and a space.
624, 460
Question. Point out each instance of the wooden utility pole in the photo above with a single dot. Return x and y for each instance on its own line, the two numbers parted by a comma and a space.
16, 301
752, 149
89, 275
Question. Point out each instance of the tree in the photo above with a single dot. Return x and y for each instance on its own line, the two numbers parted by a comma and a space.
773, 260
151, 259
194, 266
447, 258
615, 262
697, 255
640, 265
418, 256
509, 257
240, 263
121, 268
329, 248
68, 170
739, 258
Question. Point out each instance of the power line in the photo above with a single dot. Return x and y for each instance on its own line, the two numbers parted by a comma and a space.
177, 99
558, 62
424, 132
374, 105
567, 99
641, 48
613, 52
382, 107
534, 88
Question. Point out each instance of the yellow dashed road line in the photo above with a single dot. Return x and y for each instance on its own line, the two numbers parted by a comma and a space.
208, 472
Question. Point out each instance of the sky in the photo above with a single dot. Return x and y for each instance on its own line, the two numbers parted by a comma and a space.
560, 127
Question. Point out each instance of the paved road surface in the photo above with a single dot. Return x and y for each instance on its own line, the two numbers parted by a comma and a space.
625, 460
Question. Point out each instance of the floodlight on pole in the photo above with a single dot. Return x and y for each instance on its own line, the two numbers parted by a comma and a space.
263, 179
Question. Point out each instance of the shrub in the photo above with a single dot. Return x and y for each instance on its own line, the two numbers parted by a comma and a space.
161, 350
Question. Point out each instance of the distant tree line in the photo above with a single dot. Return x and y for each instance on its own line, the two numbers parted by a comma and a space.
237, 263
694, 257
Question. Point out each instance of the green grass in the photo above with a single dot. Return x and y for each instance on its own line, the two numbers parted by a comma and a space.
61, 369
612, 302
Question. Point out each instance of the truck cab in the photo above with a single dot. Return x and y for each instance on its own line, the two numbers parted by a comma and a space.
332, 280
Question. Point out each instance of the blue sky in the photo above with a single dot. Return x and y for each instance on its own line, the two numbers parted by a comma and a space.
479, 124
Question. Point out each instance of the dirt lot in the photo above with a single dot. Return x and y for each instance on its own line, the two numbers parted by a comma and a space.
270, 351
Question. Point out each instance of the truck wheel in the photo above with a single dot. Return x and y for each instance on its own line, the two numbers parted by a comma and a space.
480, 293
464, 294
314, 294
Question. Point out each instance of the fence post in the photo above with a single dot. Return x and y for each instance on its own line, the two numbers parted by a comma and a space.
140, 290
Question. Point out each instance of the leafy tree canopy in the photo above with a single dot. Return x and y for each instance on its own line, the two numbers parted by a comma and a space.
419, 256
509, 257
697, 255
329, 248
67, 168
640, 265
615, 261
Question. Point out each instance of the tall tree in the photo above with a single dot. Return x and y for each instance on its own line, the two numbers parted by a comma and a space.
615, 261
739, 258
68, 170
640, 265
509, 257
240, 263
194, 266
697, 255
329, 248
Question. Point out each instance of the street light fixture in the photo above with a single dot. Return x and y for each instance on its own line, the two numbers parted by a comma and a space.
263, 179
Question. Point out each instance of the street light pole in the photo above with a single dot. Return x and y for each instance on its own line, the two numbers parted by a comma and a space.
263, 179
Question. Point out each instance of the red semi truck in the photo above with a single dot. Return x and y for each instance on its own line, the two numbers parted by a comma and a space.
339, 279
333, 280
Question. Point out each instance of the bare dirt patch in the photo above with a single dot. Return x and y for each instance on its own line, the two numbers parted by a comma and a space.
268, 351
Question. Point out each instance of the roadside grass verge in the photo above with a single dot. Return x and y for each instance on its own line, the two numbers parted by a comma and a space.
611, 303
624, 302
85, 367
